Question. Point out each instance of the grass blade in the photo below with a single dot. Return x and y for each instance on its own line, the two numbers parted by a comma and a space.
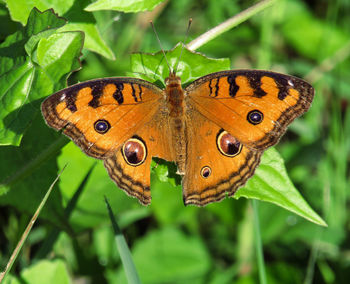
28, 229
125, 255
54, 234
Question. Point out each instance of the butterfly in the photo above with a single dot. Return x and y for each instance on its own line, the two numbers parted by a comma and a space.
215, 129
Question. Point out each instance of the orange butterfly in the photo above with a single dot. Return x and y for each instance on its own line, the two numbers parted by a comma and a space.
215, 129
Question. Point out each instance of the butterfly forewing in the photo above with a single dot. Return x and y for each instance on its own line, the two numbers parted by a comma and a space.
100, 115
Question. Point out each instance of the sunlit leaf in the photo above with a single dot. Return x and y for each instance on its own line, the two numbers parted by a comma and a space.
34, 63
73, 11
271, 183
124, 5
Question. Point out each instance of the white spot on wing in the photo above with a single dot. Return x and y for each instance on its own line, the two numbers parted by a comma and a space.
63, 97
290, 83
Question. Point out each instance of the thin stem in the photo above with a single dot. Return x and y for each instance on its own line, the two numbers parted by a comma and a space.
311, 263
28, 229
258, 244
229, 24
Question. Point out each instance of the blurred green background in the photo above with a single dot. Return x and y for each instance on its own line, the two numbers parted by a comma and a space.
73, 241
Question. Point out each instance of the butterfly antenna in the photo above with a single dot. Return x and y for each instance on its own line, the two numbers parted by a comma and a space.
186, 37
160, 44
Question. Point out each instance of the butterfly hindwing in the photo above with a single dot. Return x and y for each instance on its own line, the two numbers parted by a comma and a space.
217, 164
132, 174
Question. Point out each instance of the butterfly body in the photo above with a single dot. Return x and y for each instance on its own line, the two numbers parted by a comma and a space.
176, 107
215, 129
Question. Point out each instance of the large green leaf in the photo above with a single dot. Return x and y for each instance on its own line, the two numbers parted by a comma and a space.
20, 9
124, 5
73, 11
45, 271
34, 63
191, 65
27, 172
271, 183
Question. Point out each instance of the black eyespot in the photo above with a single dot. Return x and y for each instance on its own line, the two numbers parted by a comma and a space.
227, 144
205, 172
255, 117
134, 152
102, 126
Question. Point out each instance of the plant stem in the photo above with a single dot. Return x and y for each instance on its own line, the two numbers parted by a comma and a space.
28, 229
258, 244
229, 24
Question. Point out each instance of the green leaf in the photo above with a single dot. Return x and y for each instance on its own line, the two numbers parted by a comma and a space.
46, 271
272, 184
192, 65
93, 40
73, 11
174, 256
11, 50
124, 5
167, 204
20, 9
27, 171
34, 63
124, 251
43, 271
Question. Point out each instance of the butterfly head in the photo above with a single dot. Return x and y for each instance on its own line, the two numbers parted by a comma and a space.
172, 80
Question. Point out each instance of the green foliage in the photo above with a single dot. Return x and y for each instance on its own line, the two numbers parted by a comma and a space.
45, 271
153, 67
170, 243
271, 183
34, 62
124, 5
73, 11
176, 257
125, 255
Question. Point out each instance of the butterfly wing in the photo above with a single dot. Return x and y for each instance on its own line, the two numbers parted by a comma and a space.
100, 116
232, 117
135, 178
211, 171
254, 106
